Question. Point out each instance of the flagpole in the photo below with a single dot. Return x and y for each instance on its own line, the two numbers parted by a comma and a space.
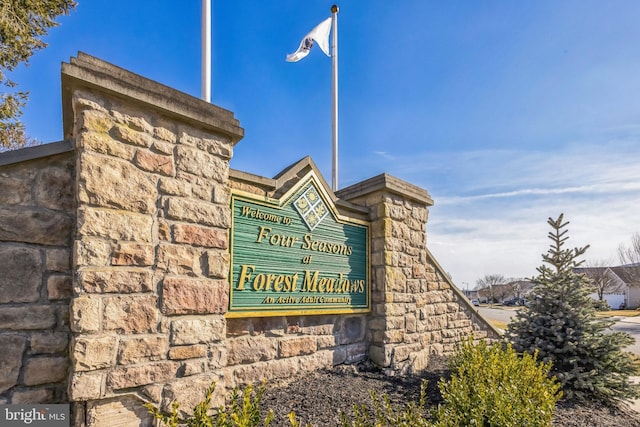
206, 51
334, 97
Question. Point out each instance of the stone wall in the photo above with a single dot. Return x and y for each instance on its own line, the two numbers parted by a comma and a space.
283, 346
151, 247
416, 309
115, 258
36, 226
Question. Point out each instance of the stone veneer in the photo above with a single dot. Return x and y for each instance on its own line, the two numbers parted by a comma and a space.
151, 246
416, 309
139, 200
36, 224
282, 346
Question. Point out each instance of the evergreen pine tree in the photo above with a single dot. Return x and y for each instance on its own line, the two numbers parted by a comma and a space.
561, 324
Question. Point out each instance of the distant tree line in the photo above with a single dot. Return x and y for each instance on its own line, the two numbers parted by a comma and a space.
494, 288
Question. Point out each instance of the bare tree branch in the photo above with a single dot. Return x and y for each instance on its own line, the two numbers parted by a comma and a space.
630, 259
490, 283
603, 280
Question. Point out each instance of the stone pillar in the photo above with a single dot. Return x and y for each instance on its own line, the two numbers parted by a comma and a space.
151, 248
398, 257
416, 310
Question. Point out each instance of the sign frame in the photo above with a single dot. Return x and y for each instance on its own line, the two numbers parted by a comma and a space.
300, 193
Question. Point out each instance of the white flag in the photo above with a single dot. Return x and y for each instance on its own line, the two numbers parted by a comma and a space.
320, 34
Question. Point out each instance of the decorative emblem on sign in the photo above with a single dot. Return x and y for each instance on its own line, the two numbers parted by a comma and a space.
311, 207
284, 263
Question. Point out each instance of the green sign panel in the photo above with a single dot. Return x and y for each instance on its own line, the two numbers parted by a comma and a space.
297, 256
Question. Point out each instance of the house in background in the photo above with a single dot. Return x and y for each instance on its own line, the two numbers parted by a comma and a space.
520, 288
515, 291
616, 285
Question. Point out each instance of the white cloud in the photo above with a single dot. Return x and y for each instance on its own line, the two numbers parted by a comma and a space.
614, 187
475, 230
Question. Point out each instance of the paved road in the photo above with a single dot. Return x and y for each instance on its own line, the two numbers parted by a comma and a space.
499, 314
630, 325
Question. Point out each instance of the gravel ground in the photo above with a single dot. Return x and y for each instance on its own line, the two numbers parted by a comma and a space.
318, 397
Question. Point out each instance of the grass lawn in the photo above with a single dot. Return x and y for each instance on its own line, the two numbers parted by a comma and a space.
612, 313
498, 324
623, 313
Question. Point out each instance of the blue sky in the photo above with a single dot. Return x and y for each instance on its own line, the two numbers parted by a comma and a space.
506, 112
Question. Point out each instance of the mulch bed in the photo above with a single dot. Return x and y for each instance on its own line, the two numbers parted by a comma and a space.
319, 397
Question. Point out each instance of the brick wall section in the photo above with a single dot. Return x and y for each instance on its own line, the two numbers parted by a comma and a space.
416, 310
36, 226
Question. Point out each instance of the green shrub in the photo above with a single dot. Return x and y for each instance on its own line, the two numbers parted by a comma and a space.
244, 411
601, 305
294, 421
384, 413
491, 385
